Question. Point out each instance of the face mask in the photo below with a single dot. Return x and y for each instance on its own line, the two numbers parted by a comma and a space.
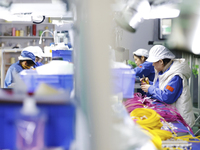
26, 67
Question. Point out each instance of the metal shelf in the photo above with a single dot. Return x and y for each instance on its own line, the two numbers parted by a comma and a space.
5, 64
24, 37
28, 23
5, 50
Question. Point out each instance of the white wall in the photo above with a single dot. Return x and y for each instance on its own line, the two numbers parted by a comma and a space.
139, 39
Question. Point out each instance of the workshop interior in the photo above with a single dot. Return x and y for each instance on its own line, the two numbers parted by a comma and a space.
99, 74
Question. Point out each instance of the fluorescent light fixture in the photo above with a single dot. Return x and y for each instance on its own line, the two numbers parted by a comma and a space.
19, 17
25, 11
137, 18
48, 10
135, 11
142, 9
5, 14
132, 14
162, 12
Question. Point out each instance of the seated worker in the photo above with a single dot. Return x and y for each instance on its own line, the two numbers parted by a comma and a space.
26, 61
143, 68
170, 83
37, 51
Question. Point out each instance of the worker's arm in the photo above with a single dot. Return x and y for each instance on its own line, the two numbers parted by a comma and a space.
8, 78
171, 92
142, 70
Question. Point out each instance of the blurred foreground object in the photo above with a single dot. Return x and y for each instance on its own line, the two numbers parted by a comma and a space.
185, 29
132, 12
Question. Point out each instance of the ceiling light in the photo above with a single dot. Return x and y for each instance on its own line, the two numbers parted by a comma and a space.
132, 14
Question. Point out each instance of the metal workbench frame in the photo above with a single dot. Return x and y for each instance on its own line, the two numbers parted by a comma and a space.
4, 50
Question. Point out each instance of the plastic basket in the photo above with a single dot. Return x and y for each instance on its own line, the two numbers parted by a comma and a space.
59, 126
123, 81
33, 80
66, 55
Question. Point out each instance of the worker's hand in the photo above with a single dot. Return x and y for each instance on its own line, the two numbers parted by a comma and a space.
145, 87
147, 80
144, 80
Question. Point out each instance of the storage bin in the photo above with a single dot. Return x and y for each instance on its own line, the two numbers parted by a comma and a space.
123, 81
66, 55
8, 128
32, 80
59, 127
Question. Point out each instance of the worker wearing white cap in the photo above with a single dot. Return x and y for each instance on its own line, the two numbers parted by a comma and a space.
37, 51
144, 68
170, 82
26, 61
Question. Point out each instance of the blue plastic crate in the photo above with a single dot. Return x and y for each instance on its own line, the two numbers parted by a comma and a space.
123, 81
59, 126
32, 80
128, 81
64, 54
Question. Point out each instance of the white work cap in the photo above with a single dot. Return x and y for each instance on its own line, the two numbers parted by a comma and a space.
26, 55
141, 52
159, 52
36, 50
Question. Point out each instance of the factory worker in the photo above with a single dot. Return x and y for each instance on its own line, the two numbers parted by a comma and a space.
143, 67
37, 51
26, 61
170, 82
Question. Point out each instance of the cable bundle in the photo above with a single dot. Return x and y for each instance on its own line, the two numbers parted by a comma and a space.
149, 120
135, 102
188, 138
147, 117
168, 112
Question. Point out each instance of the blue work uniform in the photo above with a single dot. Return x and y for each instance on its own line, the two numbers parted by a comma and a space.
146, 69
167, 95
37, 64
16, 67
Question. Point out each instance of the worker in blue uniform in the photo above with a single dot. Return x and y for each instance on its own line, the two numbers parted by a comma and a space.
170, 83
26, 61
143, 68
37, 51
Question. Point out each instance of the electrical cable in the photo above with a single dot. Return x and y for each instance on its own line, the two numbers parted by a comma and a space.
154, 137
150, 122
147, 117
169, 112
189, 138
172, 148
